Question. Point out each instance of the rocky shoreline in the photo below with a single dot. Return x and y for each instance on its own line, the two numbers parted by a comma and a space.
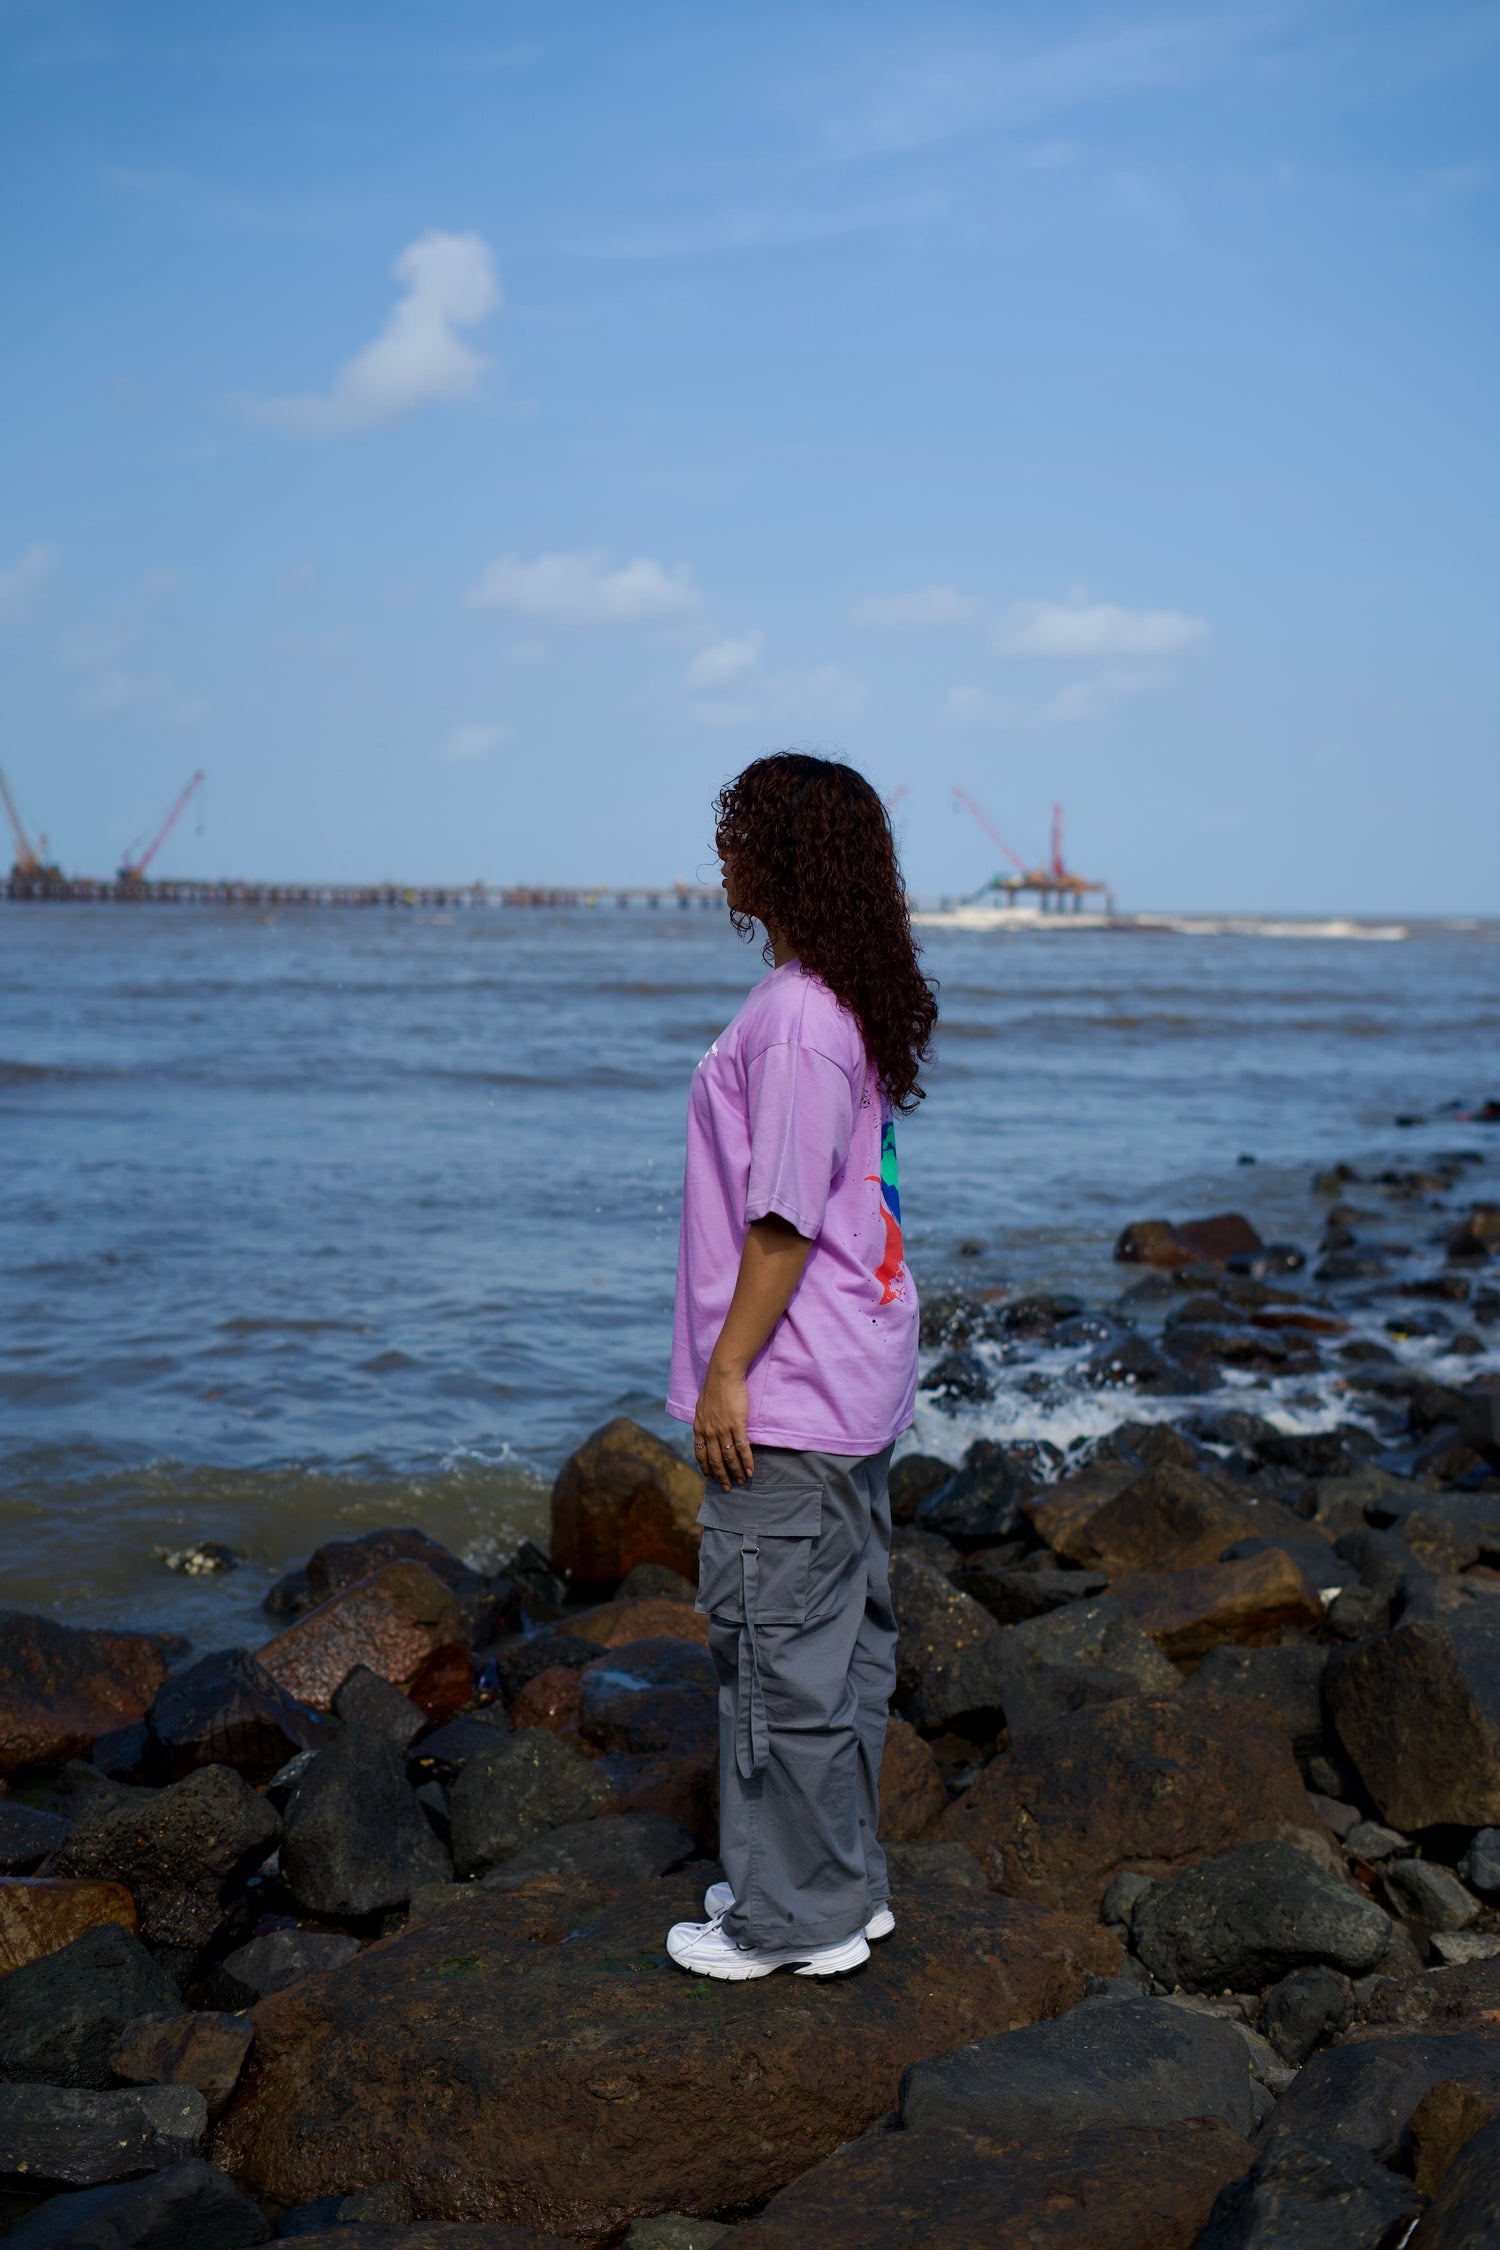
1192, 1800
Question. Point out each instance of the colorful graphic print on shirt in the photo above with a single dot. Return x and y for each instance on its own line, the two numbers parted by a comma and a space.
892, 1266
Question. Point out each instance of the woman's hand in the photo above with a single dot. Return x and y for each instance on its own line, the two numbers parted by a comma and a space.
721, 1427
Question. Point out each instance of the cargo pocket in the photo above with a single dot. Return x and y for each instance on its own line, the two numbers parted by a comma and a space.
753, 1571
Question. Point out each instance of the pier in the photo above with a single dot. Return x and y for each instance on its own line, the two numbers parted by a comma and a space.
50, 885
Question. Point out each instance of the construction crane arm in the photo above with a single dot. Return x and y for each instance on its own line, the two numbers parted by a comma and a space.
989, 828
25, 857
137, 872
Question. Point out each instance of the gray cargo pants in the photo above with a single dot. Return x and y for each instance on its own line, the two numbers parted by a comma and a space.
794, 1578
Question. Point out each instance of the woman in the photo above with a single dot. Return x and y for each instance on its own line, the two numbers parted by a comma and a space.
794, 1356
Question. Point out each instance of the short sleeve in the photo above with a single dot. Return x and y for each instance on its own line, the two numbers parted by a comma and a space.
801, 1124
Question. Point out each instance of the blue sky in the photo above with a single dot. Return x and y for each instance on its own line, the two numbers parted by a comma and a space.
471, 432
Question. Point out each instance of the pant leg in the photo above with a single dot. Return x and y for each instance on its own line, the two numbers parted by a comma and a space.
790, 1744
873, 1671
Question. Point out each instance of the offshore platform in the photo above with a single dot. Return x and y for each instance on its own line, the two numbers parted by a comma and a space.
1055, 888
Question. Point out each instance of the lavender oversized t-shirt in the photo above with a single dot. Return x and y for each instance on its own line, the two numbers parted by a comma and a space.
786, 1116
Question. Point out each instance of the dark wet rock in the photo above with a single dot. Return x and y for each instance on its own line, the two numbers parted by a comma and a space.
41, 1913
949, 1317
443, 1754
918, 1866
487, 1606
1366, 2090
61, 2015
610, 1852
941, 1554
1170, 1518
27, 1835
658, 1695
1365, 1499
1104, 2063
1251, 1915
1135, 1364
1036, 1317
959, 1377
1326, 1572
1454, 1600
180, 1851
952, 2190
1386, 1565
1153, 1783
1094, 1635
1372, 1841
1357, 1614
673, 2230
356, 1840
402, 1621
625, 1498
1011, 1596
1304, 2009
188, 2206
1332, 1811
944, 1652
83, 2138
528, 1784
1480, 1865
912, 1795
1462, 2214
653, 1581
1061, 1513
366, 1700
605, 2048
1428, 1894
427, 2234
1035, 1699
276, 1959
1446, 1769
62, 1686
226, 1710
554, 1700
980, 1503
911, 1479
1320, 1453
1368, 1264
674, 1787
1187, 1612
1286, 1681
206, 2049
543, 1590
1206, 1242
616, 1624
1301, 2196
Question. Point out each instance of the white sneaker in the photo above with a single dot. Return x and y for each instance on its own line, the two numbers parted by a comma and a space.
707, 1949
719, 1898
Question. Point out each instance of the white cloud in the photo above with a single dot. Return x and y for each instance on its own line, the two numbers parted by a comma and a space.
977, 707
21, 578
467, 744
579, 590
1092, 699
1084, 630
418, 357
934, 605
725, 660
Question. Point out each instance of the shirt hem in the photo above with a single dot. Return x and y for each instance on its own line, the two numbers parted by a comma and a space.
810, 1441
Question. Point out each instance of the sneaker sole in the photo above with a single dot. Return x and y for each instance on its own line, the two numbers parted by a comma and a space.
837, 1961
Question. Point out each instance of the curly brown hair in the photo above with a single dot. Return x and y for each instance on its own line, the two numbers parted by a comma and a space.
814, 859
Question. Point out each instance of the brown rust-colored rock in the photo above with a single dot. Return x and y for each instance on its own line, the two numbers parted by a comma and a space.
1200, 1242
948, 2190
1148, 1783
1171, 1518
43, 1913
1060, 1513
401, 1622
616, 1624
1444, 2120
912, 1796
552, 1700
625, 1498
1418, 1710
204, 2049
1187, 1612
577, 2085
61, 1687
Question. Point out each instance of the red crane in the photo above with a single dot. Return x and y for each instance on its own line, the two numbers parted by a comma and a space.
134, 871
1055, 882
990, 829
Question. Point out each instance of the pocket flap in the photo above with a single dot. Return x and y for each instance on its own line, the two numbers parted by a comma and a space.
784, 1512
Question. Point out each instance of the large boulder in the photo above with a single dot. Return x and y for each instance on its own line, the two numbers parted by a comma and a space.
1148, 1783
625, 1498
1418, 1710
40, 1913
1240, 1921
944, 1648
1367, 2090
61, 2016
83, 2138
528, 1783
179, 1850
603, 2097
27, 1835
1286, 1682
206, 2049
401, 1622
1298, 2195
1109, 2062
1194, 1242
912, 1795
188, 2206
656, 1617
276, 1959
1462, 2213
980, 1501
1251, 1602
487, 1605
357, 1842
1170, 1518
226, 1710
62, 1686
611, 1852
658, 1695
950, 2190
